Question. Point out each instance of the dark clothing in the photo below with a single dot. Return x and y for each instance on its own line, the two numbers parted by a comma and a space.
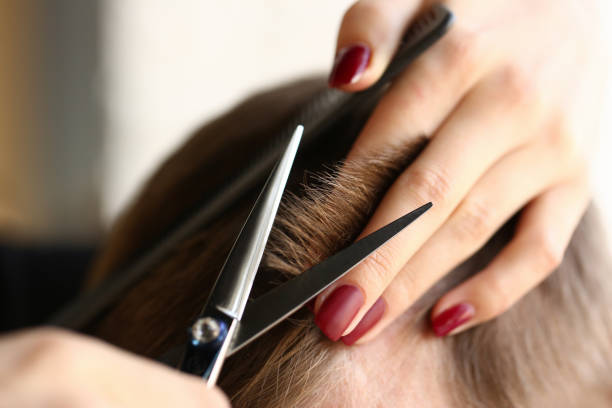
35, 281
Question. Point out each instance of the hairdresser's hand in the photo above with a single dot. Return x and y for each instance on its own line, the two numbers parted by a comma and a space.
52, 368
510, 99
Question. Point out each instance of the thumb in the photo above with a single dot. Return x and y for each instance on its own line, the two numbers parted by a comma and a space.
370, 33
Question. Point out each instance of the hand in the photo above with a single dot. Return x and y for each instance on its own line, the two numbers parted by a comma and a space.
52, 368
510, 99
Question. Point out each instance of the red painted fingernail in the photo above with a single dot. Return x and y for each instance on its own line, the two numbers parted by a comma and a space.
349, 65
451, 318
338, 310
369, 320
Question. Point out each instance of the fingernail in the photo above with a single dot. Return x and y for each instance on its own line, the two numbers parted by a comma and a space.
451, 318
368, 321
349, 65
338, 310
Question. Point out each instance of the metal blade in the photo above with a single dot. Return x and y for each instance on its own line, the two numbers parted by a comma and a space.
268, 310
232, 289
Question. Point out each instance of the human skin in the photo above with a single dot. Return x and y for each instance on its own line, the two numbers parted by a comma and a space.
510, 99
119, 365
55, 368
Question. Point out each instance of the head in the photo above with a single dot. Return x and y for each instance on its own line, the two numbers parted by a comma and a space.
550, 349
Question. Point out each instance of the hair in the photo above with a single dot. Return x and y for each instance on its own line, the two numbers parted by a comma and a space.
551, 348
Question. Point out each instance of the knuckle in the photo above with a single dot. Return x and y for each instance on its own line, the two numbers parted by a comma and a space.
518, 87
475, 222
377, 267
461, 49
411, 96
411, 286
55, 339
560, 137
52, 348
428, 184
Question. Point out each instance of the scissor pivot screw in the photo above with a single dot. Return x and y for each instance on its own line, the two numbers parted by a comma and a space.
205, 329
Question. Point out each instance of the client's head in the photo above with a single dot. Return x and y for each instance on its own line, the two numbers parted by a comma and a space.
550, 349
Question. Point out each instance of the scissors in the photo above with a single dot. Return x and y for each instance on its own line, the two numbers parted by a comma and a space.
320, 115
228, 320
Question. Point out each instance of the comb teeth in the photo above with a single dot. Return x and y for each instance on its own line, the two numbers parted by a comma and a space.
423, 32
424, 23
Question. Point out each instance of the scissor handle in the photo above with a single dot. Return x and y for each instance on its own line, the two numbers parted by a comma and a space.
209, 342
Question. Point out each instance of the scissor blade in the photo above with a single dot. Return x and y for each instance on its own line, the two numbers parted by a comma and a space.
268, 310
232, 289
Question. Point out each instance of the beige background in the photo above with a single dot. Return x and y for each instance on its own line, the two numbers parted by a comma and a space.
170, 68
16, 187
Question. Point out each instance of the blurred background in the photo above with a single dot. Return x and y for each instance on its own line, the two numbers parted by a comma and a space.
95, 93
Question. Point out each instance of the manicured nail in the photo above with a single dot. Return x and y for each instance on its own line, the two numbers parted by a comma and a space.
451, 318
349, 65
338, 310
367, 322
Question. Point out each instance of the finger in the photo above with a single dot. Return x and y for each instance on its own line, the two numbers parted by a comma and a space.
442, 175
143, 382
542, 236
369, 34
94, 372
425, 94
515, 180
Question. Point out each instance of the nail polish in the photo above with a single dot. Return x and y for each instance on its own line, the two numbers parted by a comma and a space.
349, 65
338, 310
368, 321
451, 318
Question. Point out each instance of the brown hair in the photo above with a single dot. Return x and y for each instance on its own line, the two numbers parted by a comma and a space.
550, 348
